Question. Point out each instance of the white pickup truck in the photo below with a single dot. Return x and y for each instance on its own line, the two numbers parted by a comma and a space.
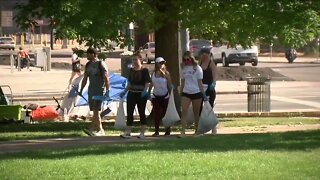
227, 55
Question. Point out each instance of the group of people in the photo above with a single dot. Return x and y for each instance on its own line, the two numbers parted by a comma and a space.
198, 81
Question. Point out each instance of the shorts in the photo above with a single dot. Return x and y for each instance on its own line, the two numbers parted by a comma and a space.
94, 105
192, 96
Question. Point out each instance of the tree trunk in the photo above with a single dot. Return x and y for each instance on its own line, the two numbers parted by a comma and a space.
167, 46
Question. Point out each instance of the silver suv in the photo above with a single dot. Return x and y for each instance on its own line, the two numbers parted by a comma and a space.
7, 43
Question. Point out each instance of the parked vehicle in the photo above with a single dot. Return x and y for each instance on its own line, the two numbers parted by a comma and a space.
7, 43
195, 45
148, 52
227, 55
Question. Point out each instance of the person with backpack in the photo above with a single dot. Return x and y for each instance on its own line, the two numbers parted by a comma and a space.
98, 75
76, 65
162, 85
137, 88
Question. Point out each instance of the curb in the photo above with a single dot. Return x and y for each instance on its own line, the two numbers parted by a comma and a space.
270, 114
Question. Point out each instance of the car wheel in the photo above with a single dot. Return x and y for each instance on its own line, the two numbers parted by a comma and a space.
254, 63
224, 61
242, 63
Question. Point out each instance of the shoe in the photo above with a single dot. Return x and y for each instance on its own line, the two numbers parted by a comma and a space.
88, 132
167, 133
126, 136
141, 136
99, 133
155, 134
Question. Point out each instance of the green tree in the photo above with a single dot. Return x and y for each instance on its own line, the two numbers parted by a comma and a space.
293, 22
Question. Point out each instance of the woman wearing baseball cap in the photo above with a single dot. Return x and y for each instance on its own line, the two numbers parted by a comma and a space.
161, 83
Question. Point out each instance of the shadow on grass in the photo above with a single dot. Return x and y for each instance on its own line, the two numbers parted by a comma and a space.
289, 141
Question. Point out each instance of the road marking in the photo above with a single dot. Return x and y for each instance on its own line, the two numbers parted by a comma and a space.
296, 101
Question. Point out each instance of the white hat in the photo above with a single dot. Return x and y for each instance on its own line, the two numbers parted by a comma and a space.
160, 59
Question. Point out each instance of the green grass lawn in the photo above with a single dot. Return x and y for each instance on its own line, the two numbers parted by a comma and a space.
10, 132
291, 155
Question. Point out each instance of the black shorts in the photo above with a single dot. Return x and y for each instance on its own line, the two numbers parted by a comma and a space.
94, 105
192, 96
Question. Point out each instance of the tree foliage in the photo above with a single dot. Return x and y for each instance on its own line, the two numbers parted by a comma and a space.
293, 22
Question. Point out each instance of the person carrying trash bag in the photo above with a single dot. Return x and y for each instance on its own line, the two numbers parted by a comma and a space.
191, 89
137, 88
209, 77
162, 85
98, 75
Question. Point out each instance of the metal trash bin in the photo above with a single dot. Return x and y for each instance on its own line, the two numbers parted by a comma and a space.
258, 94
126, 65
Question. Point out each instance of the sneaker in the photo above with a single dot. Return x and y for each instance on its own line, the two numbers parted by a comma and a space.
99, 133
88, 132
141, 136
167, 133
155, 134
126, 136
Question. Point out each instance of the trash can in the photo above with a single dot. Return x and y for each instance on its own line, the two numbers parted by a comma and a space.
258, 89
126, 65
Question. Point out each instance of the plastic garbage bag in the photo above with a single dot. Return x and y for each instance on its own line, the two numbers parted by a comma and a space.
171, 115
208, 119
120, 122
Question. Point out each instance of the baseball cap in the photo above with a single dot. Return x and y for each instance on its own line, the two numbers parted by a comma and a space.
160, 59
205, 51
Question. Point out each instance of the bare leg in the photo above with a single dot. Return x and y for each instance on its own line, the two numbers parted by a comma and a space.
196, 103
96, 121
185, 103
72, 76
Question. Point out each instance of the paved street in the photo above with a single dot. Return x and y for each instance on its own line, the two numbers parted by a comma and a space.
300, 95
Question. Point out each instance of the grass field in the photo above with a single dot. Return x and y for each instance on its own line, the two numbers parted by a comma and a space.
291, 155
10, 132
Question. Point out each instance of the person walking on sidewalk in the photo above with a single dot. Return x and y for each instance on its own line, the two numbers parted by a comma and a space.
138, 83
191, 89
97, 72
24, 58
209, 77
76, 66
162, 84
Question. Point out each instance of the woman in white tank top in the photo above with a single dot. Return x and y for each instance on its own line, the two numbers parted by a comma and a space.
161, 83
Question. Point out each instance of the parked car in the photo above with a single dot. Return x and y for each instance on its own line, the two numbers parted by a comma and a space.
226, 55
7, 43
148, 52
195, 45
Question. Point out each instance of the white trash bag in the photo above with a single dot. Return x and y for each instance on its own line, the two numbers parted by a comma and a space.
120, 122
208, 119
171, 116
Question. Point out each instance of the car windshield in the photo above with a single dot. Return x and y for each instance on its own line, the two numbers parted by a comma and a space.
5, 39
200, 43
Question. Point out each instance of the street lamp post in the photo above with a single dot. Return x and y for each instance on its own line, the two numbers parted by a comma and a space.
318, 42
130, 33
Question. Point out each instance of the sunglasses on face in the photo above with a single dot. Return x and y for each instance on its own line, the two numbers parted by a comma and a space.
162, 62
